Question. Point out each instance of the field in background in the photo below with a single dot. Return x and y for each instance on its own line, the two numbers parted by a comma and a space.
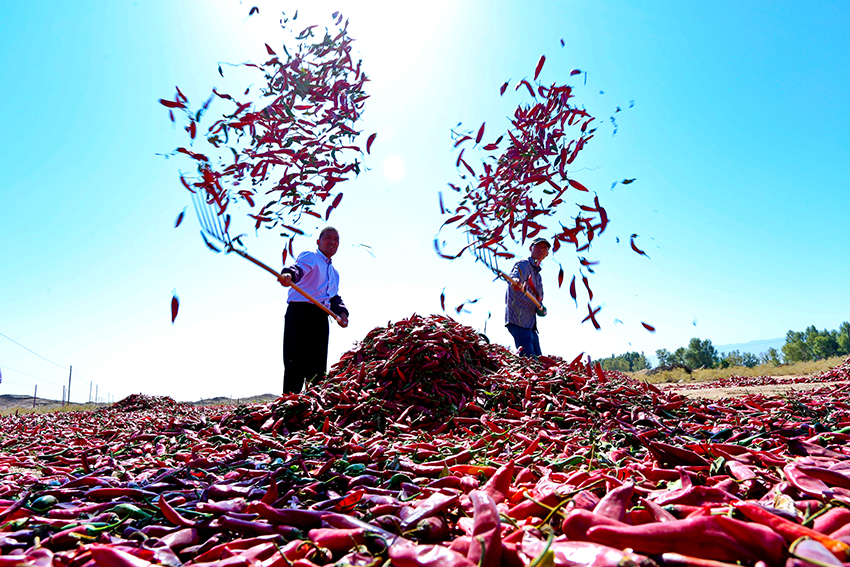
711, 374
23, 404
10, 404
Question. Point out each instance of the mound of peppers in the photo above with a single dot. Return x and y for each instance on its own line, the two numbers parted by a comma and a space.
427, 446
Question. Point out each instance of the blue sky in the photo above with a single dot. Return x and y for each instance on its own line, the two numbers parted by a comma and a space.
737, 140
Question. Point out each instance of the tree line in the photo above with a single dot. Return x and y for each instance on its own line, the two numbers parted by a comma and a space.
800, 346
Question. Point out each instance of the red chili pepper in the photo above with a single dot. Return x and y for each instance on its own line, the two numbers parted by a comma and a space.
253, 528
338, 540
68, 513
407, 554
485, 548
615, 503
581, 553
225, 550
539, 66
111, 557
179, 539
289, 516
237, 505
432, 505
498, 486
175, 306
577, 522
831, 520
173, 515
790, 530
480, 134
113, 492
708, 537
271, 495
696, 496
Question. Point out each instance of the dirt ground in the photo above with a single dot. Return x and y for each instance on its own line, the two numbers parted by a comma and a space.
10, 403
779, 389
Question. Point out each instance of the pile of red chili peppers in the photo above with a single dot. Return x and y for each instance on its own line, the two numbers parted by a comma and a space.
481, 458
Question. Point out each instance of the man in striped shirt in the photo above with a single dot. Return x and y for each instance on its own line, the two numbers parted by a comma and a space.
520, 311
306, 328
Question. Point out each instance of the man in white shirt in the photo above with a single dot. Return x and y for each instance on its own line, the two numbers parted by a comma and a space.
306, 328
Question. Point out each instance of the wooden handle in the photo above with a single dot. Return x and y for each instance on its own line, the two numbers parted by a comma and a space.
309, 297
527, 293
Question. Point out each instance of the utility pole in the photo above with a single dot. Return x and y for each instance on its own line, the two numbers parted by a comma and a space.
70, 371
90, 385
95, 394
34, 394
63, 394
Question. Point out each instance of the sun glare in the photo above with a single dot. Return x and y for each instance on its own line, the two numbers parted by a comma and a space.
394, 168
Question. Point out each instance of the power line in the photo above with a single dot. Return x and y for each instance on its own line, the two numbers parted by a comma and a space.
29, 376
43, 358
35, 353
80, 378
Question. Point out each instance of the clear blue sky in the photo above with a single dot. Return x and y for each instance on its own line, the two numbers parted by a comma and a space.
738, 140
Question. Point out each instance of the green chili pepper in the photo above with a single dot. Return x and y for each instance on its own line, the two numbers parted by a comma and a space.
44, 503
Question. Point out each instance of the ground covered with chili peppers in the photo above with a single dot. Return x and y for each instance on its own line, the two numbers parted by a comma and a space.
427, 446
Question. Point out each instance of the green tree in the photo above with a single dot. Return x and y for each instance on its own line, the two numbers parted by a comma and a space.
732, 358
615, 363
749, 360
824, 346
700, 354
663, 356
637, 361
678, 356
843, 338
628, 362
795, 348
771, 357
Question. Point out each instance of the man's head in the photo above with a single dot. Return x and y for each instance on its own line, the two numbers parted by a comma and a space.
539, 249
328, 241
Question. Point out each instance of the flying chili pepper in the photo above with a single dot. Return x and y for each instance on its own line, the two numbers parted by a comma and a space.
539, 66
586, 283
175, 305
171, 103
480, 134
592, 316
635, 248
578, 185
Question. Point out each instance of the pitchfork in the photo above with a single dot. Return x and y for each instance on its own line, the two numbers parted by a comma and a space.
487, 257
212, 226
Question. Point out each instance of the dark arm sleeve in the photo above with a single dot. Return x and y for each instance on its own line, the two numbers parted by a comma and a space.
295, 271
338, 307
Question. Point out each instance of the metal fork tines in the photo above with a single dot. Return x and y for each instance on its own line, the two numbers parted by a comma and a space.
210, 221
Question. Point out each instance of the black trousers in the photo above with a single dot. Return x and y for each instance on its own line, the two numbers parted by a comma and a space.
305, 345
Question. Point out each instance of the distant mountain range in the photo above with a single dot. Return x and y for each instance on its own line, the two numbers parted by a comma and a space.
755, 347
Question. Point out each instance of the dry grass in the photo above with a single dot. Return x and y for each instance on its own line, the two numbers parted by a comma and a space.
49, 408
10, 404
711, 374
